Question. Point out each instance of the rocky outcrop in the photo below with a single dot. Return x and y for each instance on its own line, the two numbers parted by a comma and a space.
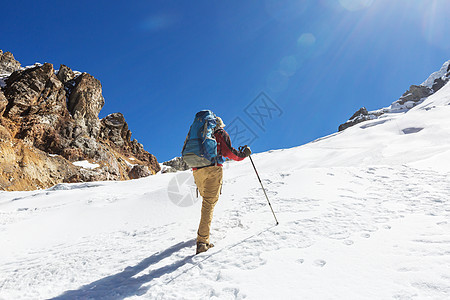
32, 90
85, 102
360, 116
3, 103
139, 171
412, 97
7, 63
53, 120
114, 128
174, 165
65, 74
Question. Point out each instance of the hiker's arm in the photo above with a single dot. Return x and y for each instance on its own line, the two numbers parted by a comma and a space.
227, 150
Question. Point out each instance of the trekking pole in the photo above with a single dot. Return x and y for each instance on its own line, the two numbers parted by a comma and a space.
263, 189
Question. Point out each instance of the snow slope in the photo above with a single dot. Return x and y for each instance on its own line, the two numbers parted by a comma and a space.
364, 214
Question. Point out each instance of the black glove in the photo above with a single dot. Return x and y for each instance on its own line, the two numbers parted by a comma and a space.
246, 150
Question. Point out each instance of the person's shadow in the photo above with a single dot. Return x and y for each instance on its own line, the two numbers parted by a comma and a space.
123, 284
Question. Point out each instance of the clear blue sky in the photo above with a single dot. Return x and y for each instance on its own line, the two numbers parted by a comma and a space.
161, 61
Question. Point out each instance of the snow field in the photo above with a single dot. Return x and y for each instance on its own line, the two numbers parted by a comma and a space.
355, 233
364, 214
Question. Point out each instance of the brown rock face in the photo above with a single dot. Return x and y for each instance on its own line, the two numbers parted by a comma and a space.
32, 89
139, 171
53, 120
3, 103
114, 128
65, 74
85, 102
7, 63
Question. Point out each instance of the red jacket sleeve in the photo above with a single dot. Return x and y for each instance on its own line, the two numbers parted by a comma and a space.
224, 147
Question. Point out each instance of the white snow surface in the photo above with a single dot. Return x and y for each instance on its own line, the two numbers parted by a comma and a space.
85, 164
364, 214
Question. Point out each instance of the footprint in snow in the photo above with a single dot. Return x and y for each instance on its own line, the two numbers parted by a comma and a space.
300, 260
348, 242
365, 235
387, 227
320, 263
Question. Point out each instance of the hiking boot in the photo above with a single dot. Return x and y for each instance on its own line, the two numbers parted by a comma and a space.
202, 247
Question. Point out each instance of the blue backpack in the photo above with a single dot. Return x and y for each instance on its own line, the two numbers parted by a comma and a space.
200, 146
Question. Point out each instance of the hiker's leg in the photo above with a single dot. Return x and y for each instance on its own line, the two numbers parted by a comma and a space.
211, 181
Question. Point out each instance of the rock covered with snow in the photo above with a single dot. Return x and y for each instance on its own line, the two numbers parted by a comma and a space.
174, 165
411, 98
437, 76
46, 112
360, 116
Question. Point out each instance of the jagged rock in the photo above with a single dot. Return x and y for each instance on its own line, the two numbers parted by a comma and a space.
441, 81
361, 112
3, 103
85, 102
139, 171
359, 116
7, 63
29, 90
50, 121
114, 131
414, 94
65, 74
138, 151
438, 84
176, 164
114, 128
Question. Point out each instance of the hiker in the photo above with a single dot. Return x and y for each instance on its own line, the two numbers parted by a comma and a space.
208, 178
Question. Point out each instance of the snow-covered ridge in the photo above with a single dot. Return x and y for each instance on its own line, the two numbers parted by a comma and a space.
438, 74
411, 98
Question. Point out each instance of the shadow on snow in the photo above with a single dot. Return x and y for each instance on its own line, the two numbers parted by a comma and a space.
123, 284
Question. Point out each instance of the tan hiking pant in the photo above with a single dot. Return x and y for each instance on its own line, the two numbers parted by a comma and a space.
209, 182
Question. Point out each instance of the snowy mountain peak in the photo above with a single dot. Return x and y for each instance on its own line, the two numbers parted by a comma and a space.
438, 74
411, 98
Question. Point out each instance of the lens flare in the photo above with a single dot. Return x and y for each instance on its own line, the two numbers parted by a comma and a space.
306, 39
354, 5
436, 24
288, 65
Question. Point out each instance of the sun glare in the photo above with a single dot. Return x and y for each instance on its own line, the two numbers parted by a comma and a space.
354, 5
